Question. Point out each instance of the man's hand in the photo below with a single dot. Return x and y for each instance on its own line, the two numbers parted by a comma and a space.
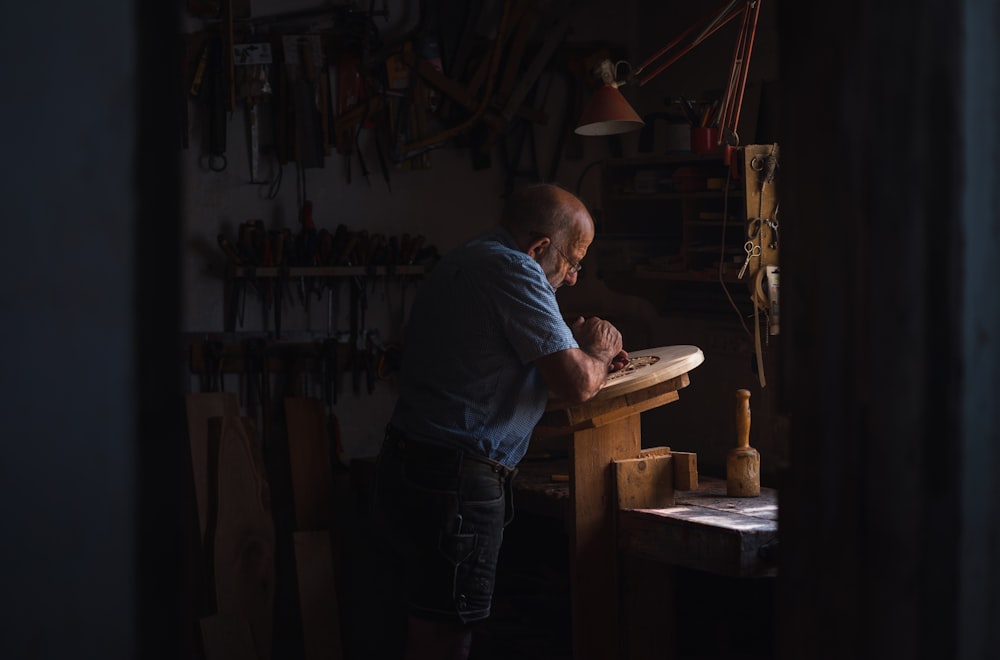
595, 335
598, 338
577, 374
618, 362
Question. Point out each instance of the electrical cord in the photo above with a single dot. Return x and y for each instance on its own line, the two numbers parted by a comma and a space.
722, 254
579, 184
583, 173
275, 186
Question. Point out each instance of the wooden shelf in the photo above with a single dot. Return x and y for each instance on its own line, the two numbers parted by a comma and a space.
730, 224
665, 222
649, 197
243, 272
718, 156
684, 276
709, 249
690, 233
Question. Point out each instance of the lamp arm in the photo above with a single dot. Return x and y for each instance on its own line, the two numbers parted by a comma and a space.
733, 102
714, 20
608, 113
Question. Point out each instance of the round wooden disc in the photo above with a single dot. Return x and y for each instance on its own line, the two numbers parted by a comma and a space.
651, 366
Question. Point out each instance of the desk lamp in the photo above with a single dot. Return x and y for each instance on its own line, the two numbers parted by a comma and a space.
608, 113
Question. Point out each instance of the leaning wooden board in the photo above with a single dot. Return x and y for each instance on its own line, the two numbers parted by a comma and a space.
318, 604
243, 537
227, 637
202, 406
309, 455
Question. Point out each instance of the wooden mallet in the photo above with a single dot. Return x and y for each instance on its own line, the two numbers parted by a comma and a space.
743, 461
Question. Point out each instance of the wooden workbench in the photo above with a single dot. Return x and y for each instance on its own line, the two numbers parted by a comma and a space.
704, 533
704, 530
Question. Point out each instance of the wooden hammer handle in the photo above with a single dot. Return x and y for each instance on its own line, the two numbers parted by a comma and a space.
742, 418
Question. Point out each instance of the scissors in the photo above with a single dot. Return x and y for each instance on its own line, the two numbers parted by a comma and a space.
753, 250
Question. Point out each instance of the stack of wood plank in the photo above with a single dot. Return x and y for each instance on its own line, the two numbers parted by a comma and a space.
237, 526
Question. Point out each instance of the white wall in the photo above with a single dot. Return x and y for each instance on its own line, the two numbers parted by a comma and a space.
452, 201
448, 203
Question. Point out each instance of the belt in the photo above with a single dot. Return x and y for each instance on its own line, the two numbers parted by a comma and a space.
398, 439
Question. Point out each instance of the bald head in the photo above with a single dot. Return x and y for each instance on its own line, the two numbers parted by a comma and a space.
544, 209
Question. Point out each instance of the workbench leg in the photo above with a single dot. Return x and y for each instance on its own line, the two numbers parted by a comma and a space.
593, 537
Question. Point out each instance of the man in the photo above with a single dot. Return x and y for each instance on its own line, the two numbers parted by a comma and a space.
485, 346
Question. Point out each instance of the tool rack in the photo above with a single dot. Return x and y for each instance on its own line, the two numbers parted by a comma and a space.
305, 363
214, 356
236, 275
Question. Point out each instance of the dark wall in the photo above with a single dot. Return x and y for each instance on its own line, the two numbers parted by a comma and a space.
89, 502
888, 498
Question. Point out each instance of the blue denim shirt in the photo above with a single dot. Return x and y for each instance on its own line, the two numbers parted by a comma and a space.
479, 321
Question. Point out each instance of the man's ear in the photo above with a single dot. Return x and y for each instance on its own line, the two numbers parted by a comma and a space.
537, 247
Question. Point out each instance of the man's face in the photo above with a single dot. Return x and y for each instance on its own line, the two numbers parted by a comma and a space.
561, 262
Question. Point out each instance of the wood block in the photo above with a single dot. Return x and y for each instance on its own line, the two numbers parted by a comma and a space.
317, 596
243, 538
654, 451
309, 454
201, 406
685, 470
645, 483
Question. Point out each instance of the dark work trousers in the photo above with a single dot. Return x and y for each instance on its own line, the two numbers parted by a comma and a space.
442, 514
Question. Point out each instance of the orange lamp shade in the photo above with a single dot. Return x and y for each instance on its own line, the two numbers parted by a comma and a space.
608, 113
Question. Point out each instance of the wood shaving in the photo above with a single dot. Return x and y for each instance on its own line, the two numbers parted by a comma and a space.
633, 365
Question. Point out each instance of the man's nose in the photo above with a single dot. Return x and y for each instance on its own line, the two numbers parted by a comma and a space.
570, 279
